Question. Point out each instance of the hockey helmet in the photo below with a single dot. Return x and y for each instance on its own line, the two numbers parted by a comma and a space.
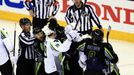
24, 21
97, 35
37, 30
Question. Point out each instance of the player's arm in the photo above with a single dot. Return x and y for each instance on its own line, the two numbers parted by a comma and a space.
69, 16
94, 17
72, 35
110, 54
82, 56
61, 47
56, 7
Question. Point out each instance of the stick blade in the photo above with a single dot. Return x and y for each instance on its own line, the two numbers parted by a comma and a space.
109, 28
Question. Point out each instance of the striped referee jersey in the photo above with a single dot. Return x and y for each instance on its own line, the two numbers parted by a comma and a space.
83, 17
26, 45
42, 8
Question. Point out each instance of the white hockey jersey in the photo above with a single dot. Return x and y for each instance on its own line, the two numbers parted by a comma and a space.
5, 47
53, 47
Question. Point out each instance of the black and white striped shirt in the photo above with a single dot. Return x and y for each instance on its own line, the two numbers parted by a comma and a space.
83, 17
42, 8
26, 45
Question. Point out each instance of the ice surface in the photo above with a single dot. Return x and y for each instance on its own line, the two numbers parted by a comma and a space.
125, 50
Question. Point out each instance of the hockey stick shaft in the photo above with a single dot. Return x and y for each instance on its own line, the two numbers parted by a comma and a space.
14, 40
108, 32
13, 73
62, 60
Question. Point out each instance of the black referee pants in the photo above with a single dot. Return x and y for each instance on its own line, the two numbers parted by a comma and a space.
25, 66
86, 32
39, 23
6, 69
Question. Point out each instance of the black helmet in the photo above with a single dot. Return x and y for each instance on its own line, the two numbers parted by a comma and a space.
97, 35
24, 21
53, 24
37, 30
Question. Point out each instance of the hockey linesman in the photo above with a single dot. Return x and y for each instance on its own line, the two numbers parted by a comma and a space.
82, 15
26, 59
40, 11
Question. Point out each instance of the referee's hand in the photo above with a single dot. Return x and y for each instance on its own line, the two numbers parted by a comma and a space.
31, 13
51, 17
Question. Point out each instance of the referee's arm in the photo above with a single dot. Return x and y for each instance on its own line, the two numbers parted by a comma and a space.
69, 17
95, 18
26, 40
29, 6
56, 7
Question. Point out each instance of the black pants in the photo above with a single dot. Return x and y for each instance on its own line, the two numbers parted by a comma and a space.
6, 69
74, 68
114, 73
39, 23
40, 70
86, 32
93, 72
54, 73
25, 66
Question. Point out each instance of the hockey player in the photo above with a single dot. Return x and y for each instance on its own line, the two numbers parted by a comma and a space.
52, 47
94, 53
40, 50
59, 30
25, 63
5, 46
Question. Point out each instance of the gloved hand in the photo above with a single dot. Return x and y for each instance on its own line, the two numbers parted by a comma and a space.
73, 35
82, 65
39, 57
85, 36
4, 33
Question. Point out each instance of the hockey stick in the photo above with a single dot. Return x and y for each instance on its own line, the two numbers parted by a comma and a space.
14, 39
108, 32
13, 73
62, 60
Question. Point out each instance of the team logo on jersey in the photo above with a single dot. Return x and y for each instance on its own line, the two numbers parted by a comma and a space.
84, 13
91, 54
74, 14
